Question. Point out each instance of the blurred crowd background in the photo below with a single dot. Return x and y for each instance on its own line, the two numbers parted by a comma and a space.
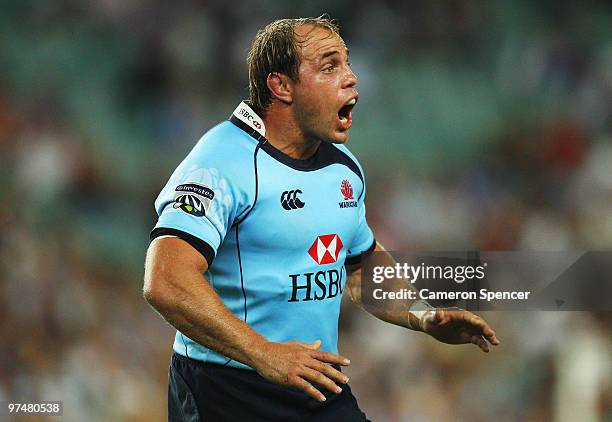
481, 125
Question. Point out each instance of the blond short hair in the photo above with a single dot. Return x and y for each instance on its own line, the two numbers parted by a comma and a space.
275, 49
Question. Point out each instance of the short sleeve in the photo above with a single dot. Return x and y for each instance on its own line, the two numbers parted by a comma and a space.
204, 196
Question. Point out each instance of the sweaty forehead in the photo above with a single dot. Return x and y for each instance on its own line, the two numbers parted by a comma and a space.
314, 41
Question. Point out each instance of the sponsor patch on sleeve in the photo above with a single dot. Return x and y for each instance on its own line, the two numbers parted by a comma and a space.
193, 198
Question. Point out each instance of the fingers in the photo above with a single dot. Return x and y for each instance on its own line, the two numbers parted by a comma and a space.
317, 377
480, 342
307, 387
325, 356
314, 368
314, 345
438, 316
331, 358
491, 337
482, 325
322, 356
329, 371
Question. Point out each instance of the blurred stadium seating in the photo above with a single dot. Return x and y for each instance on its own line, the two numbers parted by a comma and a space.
481, 125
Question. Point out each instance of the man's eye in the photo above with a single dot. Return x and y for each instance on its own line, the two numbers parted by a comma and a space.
329, 68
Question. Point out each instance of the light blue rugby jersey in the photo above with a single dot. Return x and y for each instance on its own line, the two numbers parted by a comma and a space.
275, 231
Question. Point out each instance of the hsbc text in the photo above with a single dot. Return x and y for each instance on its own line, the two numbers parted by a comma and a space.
315, 286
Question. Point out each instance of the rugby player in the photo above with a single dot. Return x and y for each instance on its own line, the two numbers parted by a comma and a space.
259, 229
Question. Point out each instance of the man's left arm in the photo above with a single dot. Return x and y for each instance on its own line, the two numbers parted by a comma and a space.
448, 325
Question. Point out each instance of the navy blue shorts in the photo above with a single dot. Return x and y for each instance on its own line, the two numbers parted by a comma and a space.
199, 391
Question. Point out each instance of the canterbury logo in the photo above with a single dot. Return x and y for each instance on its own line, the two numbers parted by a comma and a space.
290, 201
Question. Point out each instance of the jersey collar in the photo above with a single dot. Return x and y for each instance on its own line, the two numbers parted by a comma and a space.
247, 120
245, 114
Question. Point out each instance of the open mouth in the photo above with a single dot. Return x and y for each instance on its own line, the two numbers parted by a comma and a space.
345, 114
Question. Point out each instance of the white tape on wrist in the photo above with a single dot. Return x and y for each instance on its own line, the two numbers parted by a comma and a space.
423, 311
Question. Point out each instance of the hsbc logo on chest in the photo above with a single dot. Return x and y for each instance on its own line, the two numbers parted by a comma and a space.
321, 284
325, 249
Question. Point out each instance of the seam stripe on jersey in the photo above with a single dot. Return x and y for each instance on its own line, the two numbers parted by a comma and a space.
256, 185
237, 224
241, 282
241, 276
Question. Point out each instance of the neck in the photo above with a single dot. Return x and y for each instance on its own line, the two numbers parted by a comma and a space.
284, 134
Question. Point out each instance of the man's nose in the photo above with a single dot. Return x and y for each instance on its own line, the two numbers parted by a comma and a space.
350, 78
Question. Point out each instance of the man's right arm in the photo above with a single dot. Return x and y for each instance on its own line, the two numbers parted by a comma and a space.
175, 286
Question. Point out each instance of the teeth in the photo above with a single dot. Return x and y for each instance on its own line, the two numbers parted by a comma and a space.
352, 102
343, 119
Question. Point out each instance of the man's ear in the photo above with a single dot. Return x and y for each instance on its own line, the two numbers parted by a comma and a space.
281, 87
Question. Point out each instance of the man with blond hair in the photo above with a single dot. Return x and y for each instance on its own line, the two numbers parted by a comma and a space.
260, 230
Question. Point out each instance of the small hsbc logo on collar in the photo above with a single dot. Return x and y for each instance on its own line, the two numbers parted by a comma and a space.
347, 193
248, 116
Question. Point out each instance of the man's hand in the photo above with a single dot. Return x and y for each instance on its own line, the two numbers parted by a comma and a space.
296, 364
457, 326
